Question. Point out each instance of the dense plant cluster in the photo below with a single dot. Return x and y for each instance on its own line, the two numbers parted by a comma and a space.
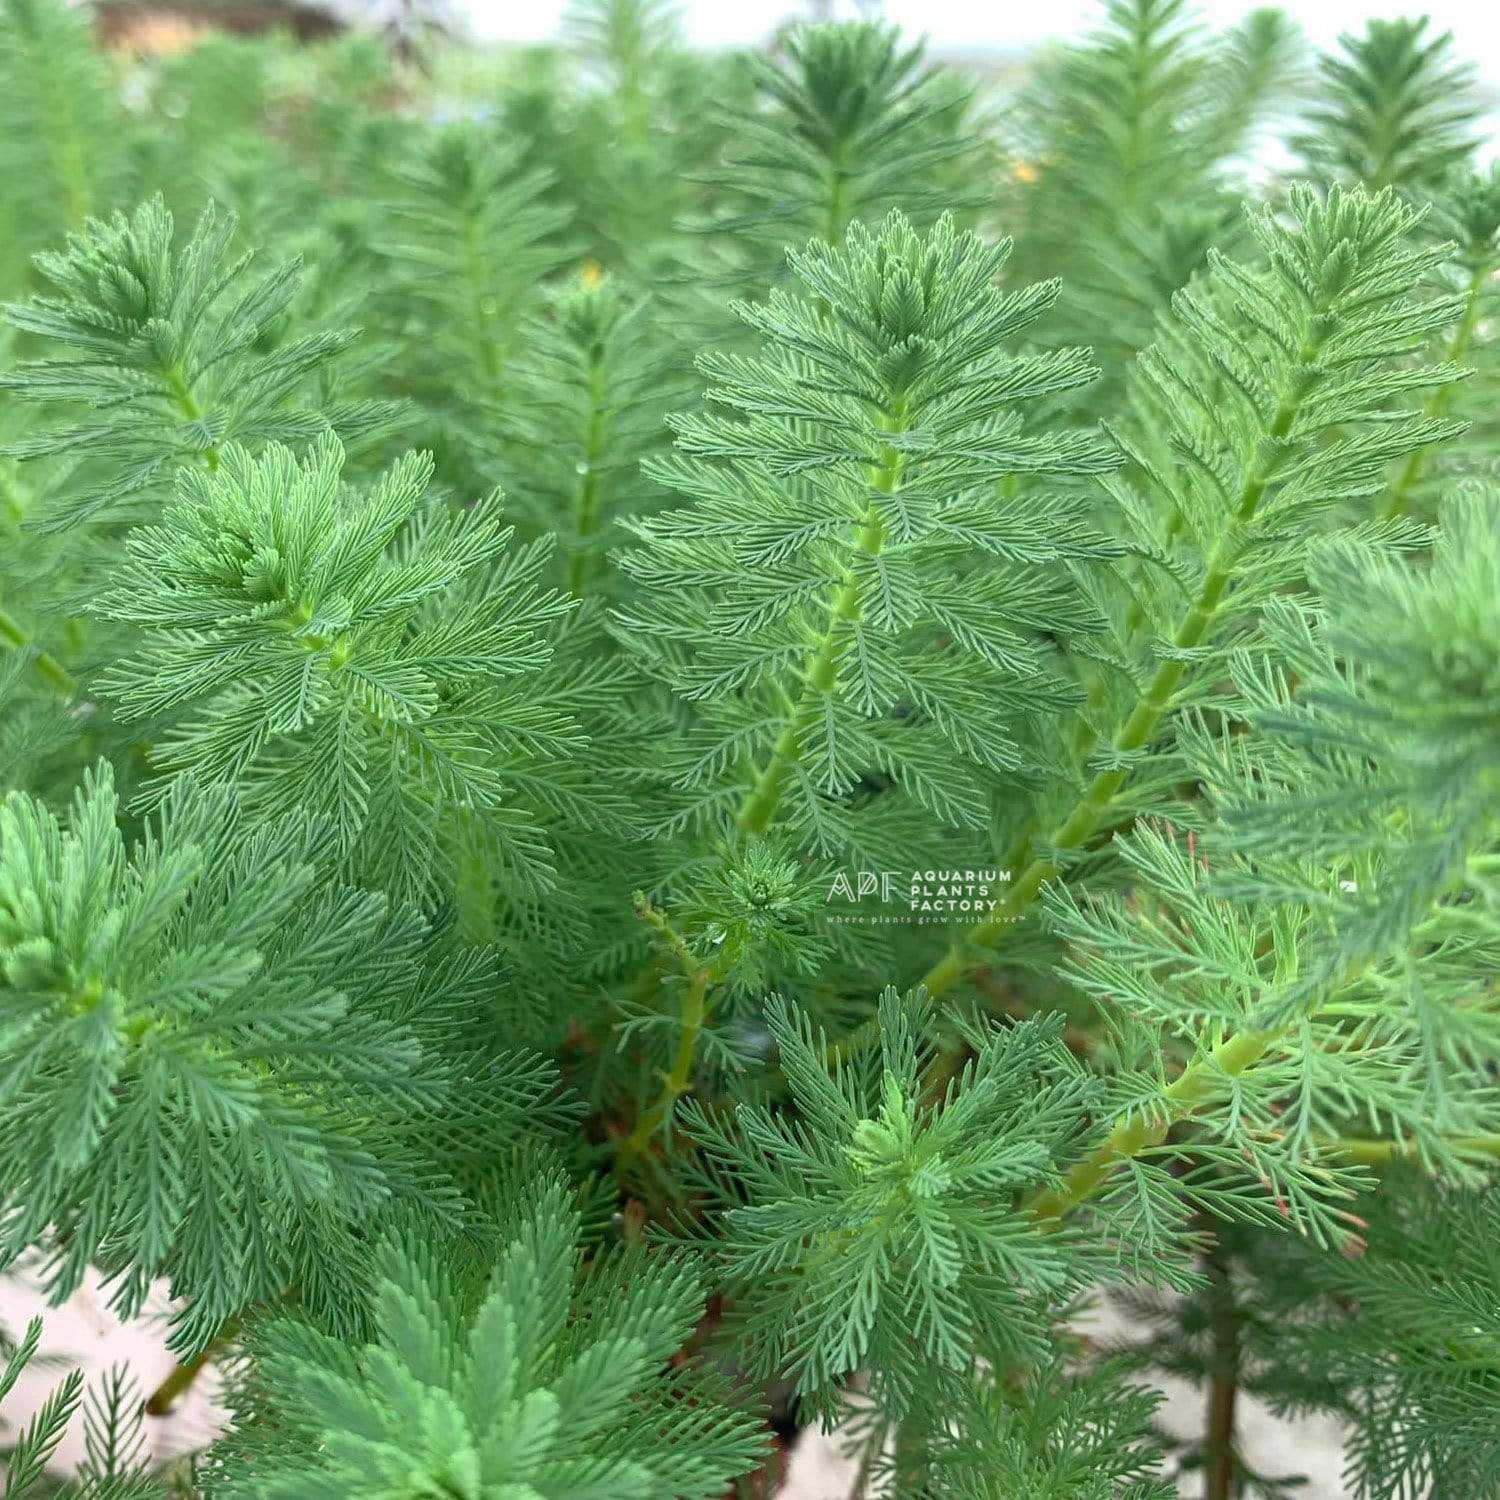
692, 743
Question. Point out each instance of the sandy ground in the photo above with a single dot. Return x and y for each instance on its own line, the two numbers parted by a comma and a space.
84, 1332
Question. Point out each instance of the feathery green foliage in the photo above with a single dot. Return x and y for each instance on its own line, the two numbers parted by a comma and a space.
882, 1235
580, 922
814, 585
1119, 156
1069, 1437
201, 1035
60, 120
546, 1378
592, 388
1402, 1339
467, 235
160, 352
854, 123
1397, 109
289, 646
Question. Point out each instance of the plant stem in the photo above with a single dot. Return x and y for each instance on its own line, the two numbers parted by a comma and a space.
675, 1083
1140, 1133
187, 404
1437, 403
1090, 810
52, 670
1377, 1152
483, 310
694, 1012
837, 176
1230, 1057
586, 505
821, 668
866, 1468
66, 141
1220, 1467
180, 1381
12, 633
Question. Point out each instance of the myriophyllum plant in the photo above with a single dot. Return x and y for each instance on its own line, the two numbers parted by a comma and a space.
522, 639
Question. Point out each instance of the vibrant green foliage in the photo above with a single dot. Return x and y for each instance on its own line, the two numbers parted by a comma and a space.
288, 646
61, 121
1417, 1364
159, 351
530, 1385
853, 124
1119, 154
464, 240
815, 583
593, 389
205, 1032
882, 1235
641, 804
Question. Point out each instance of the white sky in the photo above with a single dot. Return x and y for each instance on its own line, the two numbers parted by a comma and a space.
1474, 23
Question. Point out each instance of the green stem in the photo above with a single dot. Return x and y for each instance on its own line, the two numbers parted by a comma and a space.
1137, 1133
482, 308
1141, 1133
66, 143
675, 1083
15, 506
73, 171
1376, 1152
56, 675
180, 1381
820, 670
1227, 1059
1090, 810
1144, 51
760, 804
187, 404
1437, 403
835, 229
586, 506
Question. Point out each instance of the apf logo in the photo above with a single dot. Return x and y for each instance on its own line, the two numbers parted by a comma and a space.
927, 895
865, 883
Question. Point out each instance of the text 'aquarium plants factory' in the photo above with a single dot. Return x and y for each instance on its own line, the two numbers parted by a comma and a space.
712, 758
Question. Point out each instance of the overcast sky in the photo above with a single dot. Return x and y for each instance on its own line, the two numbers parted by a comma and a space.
1474, 23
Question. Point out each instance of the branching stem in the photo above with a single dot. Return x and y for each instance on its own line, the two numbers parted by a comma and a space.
187, 404
1376, 1152
177, 1384
821, 669
676, 1082
1141, 1132
1092, 807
